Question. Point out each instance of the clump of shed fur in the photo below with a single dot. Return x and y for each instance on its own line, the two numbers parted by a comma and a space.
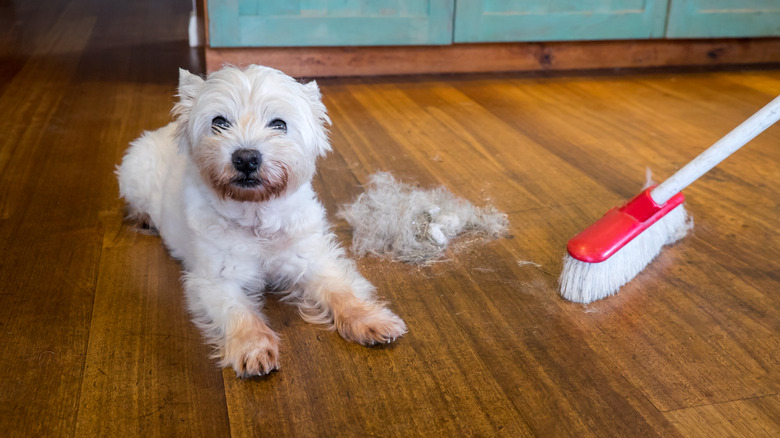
413, 225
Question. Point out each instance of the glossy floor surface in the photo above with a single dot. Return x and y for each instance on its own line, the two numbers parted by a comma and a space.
96, 340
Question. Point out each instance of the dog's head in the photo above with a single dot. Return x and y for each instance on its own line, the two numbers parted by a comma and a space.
254, 133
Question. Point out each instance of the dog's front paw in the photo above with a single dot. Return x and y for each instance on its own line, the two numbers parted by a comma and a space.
251, 349
368, 323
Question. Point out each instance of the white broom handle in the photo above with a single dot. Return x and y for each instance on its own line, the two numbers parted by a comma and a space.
756, 124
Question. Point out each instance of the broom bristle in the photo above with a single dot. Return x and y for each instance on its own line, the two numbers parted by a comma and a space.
583, 282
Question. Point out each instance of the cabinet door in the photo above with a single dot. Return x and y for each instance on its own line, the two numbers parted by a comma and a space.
235, 23
723, 18
548, 20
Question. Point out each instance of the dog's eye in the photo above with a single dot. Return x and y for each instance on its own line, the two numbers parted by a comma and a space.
278, 124
219, 124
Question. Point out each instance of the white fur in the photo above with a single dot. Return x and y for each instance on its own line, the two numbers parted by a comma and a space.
232, 249
414, 225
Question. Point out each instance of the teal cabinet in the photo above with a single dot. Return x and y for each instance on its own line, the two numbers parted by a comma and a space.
285, 23
556, 20
723, 18
267, 23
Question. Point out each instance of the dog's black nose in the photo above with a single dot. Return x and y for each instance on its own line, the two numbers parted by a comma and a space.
247, 161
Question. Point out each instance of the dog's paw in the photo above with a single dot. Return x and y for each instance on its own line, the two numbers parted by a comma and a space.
251, 349
368, 324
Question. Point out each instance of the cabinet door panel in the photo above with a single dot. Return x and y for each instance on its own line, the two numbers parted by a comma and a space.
548, 20
723, 18
235, 23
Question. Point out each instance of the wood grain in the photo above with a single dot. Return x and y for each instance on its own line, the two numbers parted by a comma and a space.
140, 356
97, 341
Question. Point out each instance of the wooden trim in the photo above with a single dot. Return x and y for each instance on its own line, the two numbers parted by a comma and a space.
504, 57
205, 8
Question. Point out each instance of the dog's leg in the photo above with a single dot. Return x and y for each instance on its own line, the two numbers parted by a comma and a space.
335, 293
231, 321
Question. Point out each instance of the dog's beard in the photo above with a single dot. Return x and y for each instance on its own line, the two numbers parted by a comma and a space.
270, 180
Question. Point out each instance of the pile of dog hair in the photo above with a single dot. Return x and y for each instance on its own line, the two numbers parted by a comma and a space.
411, 225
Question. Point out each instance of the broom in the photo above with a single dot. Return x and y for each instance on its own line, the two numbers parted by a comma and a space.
617, 247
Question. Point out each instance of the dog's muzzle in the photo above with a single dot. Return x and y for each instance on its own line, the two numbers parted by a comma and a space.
247, 162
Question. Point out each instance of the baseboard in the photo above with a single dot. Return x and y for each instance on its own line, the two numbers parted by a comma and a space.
480, 58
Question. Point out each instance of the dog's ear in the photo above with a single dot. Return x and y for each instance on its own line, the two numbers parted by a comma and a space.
189, 84
313, 91
321, 142
189, 87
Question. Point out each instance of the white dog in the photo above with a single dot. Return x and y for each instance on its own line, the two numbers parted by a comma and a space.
228, 187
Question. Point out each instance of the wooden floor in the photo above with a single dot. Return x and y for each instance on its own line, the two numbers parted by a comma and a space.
96, 341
